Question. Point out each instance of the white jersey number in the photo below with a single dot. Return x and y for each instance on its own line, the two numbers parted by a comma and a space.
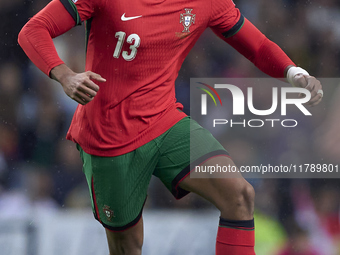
134, 42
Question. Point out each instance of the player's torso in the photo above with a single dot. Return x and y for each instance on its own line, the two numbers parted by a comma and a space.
141, 39
138, 47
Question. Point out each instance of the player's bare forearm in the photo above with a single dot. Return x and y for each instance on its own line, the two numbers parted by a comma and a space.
78, 86
61, 72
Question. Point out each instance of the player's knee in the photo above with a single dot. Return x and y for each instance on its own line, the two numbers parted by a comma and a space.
240, 200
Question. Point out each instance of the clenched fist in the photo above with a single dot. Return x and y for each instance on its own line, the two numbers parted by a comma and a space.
78, 86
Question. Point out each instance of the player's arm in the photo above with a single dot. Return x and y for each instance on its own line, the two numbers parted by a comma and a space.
35, 38
271, 59
266, 55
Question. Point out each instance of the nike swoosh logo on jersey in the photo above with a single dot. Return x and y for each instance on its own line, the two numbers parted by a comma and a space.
123, 18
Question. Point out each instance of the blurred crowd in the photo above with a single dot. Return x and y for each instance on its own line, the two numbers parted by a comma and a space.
40, 169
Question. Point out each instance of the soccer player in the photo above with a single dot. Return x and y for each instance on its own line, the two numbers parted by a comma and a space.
128, 125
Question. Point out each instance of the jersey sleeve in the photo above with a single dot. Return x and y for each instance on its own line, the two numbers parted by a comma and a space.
225, 18
35, 37
81, 10
56, 18
230, 25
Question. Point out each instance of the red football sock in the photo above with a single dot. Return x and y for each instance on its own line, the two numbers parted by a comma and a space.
235, 237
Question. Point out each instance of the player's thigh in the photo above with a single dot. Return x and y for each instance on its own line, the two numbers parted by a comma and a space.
187, 145
118, 185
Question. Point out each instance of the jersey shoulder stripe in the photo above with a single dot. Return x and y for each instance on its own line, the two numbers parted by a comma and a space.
72, 10
239, 24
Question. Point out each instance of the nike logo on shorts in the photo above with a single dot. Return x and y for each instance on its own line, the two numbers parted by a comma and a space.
123, 18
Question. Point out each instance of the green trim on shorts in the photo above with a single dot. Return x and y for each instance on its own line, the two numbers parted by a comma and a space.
118, 185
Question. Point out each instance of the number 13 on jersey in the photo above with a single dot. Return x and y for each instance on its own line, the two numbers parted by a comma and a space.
134, 42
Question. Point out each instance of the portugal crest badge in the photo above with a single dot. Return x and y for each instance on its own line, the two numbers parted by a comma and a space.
187, 19
108, 212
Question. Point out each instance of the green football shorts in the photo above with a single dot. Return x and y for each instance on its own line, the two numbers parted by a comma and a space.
118, 185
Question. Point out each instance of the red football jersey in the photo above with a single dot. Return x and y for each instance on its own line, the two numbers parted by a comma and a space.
138, 46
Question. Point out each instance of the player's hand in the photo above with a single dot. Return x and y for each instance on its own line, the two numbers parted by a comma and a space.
312, 84
78, 86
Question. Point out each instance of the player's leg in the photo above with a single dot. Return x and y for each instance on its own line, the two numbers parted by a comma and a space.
118, 188
234, 197
129, 241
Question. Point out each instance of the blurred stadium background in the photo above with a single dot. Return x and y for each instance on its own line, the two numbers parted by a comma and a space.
44, 201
